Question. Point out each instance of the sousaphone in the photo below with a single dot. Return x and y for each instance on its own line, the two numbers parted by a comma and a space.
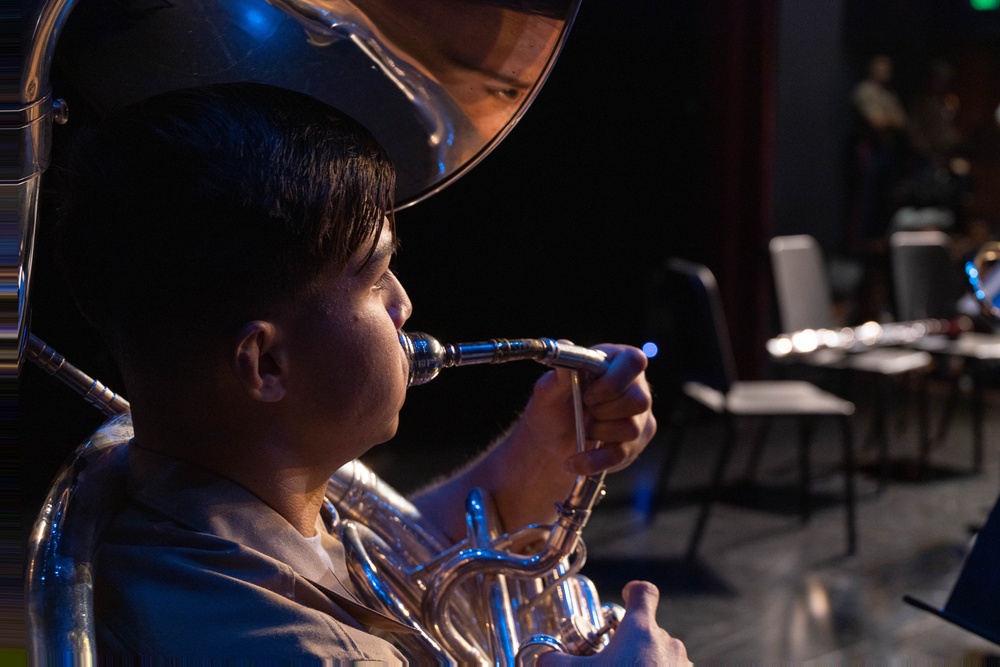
439, 83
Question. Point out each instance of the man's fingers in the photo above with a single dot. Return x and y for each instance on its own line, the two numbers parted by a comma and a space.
625, 365
594, 461
634, 399
641, 597
622, 429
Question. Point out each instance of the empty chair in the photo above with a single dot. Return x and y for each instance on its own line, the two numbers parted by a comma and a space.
925, 282
801, 284
928, 284
804, 302
687, 321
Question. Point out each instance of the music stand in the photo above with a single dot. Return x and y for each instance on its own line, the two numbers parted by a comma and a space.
972, 604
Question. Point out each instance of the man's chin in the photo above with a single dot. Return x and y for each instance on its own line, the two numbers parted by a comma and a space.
390, 431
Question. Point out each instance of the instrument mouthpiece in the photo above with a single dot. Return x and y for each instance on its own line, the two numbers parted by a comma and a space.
427, 356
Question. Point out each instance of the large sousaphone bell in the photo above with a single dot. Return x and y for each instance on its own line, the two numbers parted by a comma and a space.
439, 83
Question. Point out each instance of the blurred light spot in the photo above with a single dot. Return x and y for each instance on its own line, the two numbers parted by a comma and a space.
650, 349
256, 19
817, 599
805, 340
780, 347
869, 332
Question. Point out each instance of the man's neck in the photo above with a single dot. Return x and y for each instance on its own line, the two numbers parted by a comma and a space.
263, 461
294, 491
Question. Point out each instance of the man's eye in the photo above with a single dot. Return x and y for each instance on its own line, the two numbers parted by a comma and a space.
508, 94
384, 280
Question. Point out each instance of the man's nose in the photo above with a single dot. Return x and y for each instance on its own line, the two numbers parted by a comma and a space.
402, 309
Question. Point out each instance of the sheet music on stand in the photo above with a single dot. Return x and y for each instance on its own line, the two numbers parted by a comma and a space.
974, 603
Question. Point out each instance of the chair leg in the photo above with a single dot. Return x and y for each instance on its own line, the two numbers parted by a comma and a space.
718, 476
758, 448
923, 423
948, 412
879, 432
805, 475
675, 438
849, 495
848, 384
901, 404
977, 425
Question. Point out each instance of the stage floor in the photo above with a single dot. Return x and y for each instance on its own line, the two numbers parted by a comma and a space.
766, 588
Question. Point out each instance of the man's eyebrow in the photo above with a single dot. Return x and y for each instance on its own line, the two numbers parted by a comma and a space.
383, 251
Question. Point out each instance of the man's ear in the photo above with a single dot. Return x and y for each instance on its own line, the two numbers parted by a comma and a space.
260, 362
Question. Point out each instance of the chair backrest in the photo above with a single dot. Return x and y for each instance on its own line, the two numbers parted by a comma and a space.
801, 283
59, 594
926, 283
687, 322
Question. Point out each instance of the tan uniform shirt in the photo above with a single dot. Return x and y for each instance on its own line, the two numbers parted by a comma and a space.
196, 566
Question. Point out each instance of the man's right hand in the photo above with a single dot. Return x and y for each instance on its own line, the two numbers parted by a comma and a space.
638, 639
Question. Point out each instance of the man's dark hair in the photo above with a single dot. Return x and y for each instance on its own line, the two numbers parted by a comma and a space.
193, 211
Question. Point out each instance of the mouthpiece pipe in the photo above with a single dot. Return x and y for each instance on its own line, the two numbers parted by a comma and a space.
427, 356
93, 391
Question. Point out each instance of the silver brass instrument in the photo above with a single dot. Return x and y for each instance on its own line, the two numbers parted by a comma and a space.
389, 63
984, 275
93, 391
427, 356
492, 598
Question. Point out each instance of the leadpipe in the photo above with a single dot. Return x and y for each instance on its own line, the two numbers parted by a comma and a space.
427, 356
93, 391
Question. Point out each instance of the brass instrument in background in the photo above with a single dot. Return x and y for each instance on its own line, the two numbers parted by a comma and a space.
983, 273
984, 277
864, 336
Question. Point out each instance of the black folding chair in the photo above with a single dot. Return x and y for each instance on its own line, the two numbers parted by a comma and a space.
687, 322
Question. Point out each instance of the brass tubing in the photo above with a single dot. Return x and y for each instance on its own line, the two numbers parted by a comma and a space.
93, 391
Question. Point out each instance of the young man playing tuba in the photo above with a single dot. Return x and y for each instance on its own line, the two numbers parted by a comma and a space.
243, 235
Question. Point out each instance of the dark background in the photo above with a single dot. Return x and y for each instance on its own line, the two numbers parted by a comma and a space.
697, 129
616, 165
